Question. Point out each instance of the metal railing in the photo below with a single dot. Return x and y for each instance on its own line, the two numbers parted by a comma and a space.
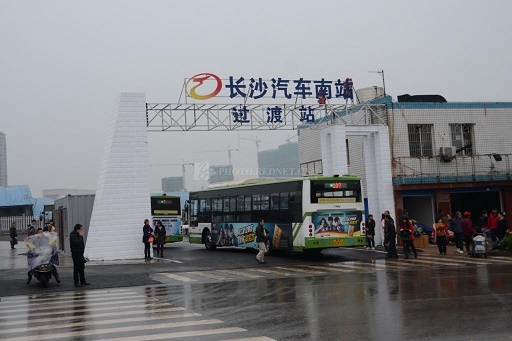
21, 223
445, 169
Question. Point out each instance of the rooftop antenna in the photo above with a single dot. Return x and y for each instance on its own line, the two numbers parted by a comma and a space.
381, 72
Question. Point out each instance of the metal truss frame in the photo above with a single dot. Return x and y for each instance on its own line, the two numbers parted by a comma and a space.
210, 117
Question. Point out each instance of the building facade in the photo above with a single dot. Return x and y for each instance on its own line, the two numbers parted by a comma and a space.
449, 156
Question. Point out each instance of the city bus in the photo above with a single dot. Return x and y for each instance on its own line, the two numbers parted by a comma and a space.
304, 214
167, 209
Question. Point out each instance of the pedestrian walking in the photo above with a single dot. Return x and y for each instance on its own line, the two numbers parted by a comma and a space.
390, 236
370, 233
160, 234
456, 228
407, 236
77, 246
261, 239
441, 233
467, 230
146, 234
404, 216
383, 223
502, 228
14, 235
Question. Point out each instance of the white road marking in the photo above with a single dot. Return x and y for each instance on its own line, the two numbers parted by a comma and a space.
115, 330
177, 277
167, 336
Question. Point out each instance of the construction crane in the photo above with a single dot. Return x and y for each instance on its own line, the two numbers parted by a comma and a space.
289, 139
255, 140
229, 150
182, 164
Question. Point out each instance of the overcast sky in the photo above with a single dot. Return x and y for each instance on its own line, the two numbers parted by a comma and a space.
64, 63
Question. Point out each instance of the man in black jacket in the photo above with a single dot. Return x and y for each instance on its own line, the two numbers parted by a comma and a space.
76, 242
390, 236
370, 233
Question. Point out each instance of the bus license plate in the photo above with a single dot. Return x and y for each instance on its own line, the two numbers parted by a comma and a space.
338, 242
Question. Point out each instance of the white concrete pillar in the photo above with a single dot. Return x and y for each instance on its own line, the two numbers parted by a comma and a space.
334, 150
372, 183
385, 197
122, 199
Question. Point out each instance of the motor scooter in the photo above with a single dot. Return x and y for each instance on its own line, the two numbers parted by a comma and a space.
42, 257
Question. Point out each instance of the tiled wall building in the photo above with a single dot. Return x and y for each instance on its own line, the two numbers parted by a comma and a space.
454, 156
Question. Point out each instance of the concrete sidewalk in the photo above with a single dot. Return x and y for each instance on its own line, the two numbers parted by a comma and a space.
451, 252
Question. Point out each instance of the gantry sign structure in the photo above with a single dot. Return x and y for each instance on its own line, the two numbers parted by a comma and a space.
208, 117
241, 115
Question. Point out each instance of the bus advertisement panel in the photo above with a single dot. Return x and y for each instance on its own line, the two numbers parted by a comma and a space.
244, 235
337, 223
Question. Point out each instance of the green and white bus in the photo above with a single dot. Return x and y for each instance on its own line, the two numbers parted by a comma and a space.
167, 209
308, 214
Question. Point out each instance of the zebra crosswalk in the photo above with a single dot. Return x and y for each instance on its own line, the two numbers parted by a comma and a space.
278, 271
118, 314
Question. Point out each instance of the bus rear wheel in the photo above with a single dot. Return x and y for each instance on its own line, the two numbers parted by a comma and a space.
208, 244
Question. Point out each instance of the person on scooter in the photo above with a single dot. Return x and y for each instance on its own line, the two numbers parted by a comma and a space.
41, 241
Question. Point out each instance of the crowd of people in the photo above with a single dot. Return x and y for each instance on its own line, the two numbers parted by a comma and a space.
460, 229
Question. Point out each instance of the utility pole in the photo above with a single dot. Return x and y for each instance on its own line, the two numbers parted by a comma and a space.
381, 72
229, 154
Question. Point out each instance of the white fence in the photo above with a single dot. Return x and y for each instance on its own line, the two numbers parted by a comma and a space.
21, 223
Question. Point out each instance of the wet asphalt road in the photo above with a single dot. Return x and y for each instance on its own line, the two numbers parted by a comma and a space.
221, 295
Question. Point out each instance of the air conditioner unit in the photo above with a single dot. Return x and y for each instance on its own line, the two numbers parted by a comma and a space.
448, 151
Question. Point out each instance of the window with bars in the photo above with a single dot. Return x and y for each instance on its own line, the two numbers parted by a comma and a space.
462, 137
420, 140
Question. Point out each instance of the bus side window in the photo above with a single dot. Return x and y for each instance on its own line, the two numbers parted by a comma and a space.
265, 202
202, 206
256, 202
232, 204
216, 205
248, 204
240, 203
274, 201
284, 200
226, 204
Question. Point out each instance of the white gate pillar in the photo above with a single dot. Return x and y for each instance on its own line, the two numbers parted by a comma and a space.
377, 163
122, 200
334, 150
379, 181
